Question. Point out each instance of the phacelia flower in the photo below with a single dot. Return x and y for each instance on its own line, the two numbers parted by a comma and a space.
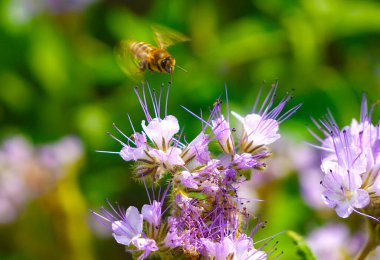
161, 131
260, 128
350, 162
27, 171
205, 217
127, 229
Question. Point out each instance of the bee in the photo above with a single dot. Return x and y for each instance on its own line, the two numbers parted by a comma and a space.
136, 57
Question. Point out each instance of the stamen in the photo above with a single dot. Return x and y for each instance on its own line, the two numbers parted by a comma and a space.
258, 97
143, 104
129, 139
167, 98
109, 152
122, 143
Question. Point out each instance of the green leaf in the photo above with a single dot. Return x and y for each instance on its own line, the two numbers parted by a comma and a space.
303, 250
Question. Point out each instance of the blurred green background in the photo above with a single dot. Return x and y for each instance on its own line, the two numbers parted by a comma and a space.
59, 76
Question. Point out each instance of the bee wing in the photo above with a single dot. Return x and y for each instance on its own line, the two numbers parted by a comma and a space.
166, 37
127, 60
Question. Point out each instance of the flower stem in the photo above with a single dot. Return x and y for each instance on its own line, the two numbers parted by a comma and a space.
373, 232
367, 249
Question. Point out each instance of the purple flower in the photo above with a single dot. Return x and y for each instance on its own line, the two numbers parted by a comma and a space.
197, 149
146, 245
27, 171
152, 213
343, 191
161, 131
221, 250
129, 228
350, 162
260, 128
206, 216
189, 179
335, 236
222, 131
246, 161
244, 249
129, 153
61, 155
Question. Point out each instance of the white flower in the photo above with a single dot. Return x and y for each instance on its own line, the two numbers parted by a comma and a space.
259, 131
161, 131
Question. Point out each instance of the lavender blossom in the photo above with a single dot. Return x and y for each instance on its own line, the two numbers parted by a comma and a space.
162, 154
127, 225
350, 162
260, 128
127, 229
346, 244
27, 172
330, 236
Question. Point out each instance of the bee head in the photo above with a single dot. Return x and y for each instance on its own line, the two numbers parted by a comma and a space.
168, 64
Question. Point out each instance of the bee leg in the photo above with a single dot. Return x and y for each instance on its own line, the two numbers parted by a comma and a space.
142, 65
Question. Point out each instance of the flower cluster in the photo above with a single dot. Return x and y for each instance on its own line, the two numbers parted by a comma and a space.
27, 172
351, 163
199, 213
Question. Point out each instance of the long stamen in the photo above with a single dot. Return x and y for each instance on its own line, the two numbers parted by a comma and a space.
143, 103
167, 99
129, 139
121, 142
257, 98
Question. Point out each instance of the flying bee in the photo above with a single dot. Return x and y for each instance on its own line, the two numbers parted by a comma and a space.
136, 57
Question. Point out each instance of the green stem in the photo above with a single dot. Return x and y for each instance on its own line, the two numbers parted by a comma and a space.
367, 249
373, 232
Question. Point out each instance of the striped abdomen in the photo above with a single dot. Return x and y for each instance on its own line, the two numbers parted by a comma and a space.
141, 50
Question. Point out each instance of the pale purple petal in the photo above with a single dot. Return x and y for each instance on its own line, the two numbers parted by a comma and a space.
221, 129
152, 213
145, 244
161, 131
129, 153
245, 161
198, 149
125, 231
218, 250
187, 180
362, 199
330, 241
259, 131
170, 158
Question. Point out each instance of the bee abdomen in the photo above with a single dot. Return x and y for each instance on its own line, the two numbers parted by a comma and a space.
140, 49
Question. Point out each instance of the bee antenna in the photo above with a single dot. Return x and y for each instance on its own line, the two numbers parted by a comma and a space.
181, 68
